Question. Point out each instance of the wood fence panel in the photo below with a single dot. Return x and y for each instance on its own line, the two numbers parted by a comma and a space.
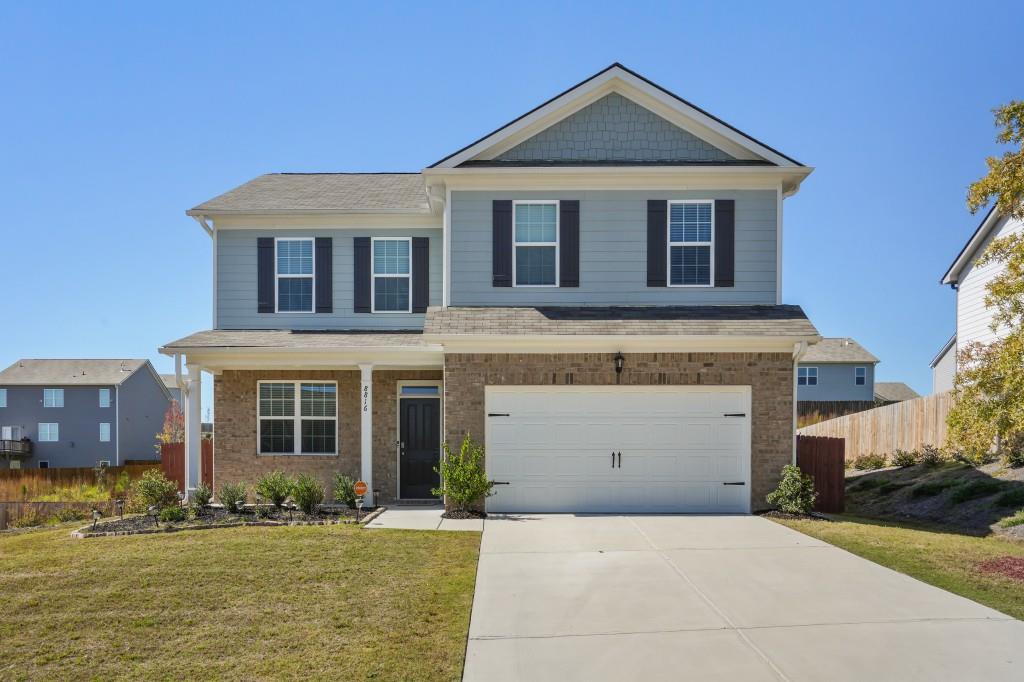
823, 460
907, 425
11, 512
172, 462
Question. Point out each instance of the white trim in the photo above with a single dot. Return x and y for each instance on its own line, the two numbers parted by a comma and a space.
611, 343
968, 254
398, 421
446, 256
557, 243
799, 349
39, 432
103, 462
117, 421
668, 239
810, 371
297, 419
366, 429
99, 396
3, 397
778, 244
102, 439
216, 287
311, 277
374, 275
55, 392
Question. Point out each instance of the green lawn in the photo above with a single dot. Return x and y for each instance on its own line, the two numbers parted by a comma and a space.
333, 602
941, 558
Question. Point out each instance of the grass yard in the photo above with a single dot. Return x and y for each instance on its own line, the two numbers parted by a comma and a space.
317, 602
941, 558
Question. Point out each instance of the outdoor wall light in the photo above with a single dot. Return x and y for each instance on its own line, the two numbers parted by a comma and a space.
620, 360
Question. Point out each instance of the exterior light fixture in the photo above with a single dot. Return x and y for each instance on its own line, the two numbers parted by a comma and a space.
119, 506
620, 360
154, 511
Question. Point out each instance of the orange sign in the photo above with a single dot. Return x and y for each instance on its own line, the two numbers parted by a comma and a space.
359, 488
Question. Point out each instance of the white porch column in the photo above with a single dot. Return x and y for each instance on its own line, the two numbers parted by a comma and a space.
366, 430
193, 427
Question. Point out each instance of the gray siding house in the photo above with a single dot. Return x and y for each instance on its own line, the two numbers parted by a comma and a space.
836, 376
78, 413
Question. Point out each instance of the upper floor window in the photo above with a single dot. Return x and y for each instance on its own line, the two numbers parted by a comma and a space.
104, 432
104, 397
392, 275
53, 397
690, 230
807, 376
860, 375
535, 244
298, 417
294, 275
49, 433
3, 397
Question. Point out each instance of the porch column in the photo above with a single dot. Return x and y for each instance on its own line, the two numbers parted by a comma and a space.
366, 430
193, 427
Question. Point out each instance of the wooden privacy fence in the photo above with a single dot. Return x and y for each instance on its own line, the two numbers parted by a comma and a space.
16, 483
823, 460
172, 462
908, 425
11, 512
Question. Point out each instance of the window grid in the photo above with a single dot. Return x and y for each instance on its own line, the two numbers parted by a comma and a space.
49, 432
104, 397
807, 376
392, 275
104, 432
53, 397
691, 228
860, 376
297, 417
293, 275
535, 246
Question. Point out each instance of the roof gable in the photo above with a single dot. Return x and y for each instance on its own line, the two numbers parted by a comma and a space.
839, 350
969, 253
70, 372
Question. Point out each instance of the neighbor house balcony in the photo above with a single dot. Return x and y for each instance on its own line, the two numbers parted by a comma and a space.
16, 449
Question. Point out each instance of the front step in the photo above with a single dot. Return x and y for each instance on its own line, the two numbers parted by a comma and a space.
426, 502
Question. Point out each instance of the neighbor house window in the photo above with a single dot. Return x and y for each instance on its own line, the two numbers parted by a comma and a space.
392, 275
807, 376
690, 230
535, 244
103, 462
3, 397
104, 432
860, 375
298, 418
49, 433
294, 275
104, 397
53, 397
44, 464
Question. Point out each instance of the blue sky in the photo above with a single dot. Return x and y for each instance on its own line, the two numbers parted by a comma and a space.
118, 117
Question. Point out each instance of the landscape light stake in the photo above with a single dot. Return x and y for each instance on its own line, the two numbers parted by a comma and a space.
95, 517
154, 511
119, 506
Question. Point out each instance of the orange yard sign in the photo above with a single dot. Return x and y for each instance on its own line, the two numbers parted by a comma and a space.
359, 488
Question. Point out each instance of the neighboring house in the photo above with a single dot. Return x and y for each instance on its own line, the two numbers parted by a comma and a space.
171, 382
78, 413
836, 376
973, 317
592, 291
888, 392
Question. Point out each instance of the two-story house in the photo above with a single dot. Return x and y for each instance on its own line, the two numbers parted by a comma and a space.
836, 376
592, 291
968, 280
80, 413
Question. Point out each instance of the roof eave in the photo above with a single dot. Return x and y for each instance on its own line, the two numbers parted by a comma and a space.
976, 240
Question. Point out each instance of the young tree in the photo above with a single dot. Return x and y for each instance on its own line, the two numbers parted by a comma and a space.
174, 426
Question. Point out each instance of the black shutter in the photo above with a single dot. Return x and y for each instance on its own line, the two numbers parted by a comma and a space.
324, 275
569, 243
265, 274
420, 274
725, 243
657, 242
361, 273
501, 244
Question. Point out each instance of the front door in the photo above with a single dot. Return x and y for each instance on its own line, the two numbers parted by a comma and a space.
419, 447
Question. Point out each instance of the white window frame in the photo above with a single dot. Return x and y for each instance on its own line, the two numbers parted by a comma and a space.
55, 393
104, 397
103, 462
557, 243
809, 372
711, 244
311, 277
3, 397
39, 432
374, 275
297, 419
107, 439
856, 376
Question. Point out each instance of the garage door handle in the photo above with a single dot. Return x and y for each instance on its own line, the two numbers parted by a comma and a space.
613, 459
735, 414
620, 460
734, 483
500, 483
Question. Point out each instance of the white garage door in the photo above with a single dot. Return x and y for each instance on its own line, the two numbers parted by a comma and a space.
619, 448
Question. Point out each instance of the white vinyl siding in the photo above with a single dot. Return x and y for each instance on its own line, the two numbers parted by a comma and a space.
297, 418
535, 243
972, 316
49, 432
294, 274
690, 245
392, 275
104, 397
53, 397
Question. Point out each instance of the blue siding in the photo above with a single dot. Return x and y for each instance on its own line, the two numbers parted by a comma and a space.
836, 382
141, 410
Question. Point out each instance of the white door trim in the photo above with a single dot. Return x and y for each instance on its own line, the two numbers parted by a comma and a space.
398, 421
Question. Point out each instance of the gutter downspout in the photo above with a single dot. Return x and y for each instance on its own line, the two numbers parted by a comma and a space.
799, 349
178, 381
117, 425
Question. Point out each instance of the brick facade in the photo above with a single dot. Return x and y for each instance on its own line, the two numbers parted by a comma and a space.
770, 376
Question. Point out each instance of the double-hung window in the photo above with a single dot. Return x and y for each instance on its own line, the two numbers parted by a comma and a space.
294, 275
392, 275
535, 243
690, 234
104, 432
298, 417
104, 397
860, 376
53, 397
807, 376
3, 397
49, 432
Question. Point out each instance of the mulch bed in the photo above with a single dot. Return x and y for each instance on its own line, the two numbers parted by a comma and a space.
776, 514
1009, 566
453, 514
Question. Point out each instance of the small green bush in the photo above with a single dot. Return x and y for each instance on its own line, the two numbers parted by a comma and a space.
1011, 498
795, 494
1015, 520
344, 490
202, 495
463, 479
904, 458
932, 488
1013, 452
153, 489
308, 492
276, 487
28, 521
869, 462
232, 496
70, 514
123, 484
931, 456
974, 490
172, 514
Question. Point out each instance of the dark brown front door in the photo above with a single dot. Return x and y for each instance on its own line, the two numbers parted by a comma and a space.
420, 448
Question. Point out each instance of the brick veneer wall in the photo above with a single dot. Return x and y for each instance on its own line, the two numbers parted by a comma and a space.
770, 376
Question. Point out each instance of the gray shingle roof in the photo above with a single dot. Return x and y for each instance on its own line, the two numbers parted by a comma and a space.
69, 372
296, 339
324, 192
837, 350
783, 320
894, 391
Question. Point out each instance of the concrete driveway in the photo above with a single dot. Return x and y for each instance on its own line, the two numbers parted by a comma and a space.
563, 597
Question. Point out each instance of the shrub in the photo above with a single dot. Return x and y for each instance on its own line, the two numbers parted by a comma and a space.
463, 479
79, 493
123, 484
1013, 451
70, 514
974, 490
904, 458
28, 521
931, 456
868, 462
153, 489
232, 496
202, 495
932, 488
1015, 520
308, 492
276, 487
1011, 498
344, 490
795, 494
172, 514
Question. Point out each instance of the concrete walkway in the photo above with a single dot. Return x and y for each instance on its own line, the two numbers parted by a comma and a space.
422, 518
562, 597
